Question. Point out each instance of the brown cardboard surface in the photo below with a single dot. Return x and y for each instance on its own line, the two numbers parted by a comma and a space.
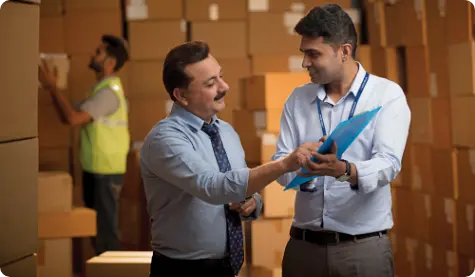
52, 36
84, 29
55, 258
118, 266
421, 122
444, 166
18, 70
386, 62
271, 90
55, 191
443, 223
442, 123
85, 5
25, 267
465, 174
214, 10
155, 10
145, 79
418, 71
262, 64
278, 203
53, 159
462, 118
79, 222
18, 199
421, 168
52, 132
154, 39
265, 29
458, 21
461, 69
465, 229
144, 114
226, 39
233, 71
415, 22
51, 8
376, 22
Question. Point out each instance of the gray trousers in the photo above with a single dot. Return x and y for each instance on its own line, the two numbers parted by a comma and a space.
368, 257
101, 193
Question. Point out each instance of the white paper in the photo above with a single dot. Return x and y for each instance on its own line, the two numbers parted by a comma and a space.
260, 119
137, 12
355, 15
137, 2
295, 64
269, 139
290, 20
297, 7
213, 12
183, 26
258, 5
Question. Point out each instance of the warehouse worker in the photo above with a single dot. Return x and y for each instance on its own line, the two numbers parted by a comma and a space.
104, 139
342, 218
193, 166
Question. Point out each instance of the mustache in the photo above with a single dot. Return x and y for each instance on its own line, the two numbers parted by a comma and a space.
220, 95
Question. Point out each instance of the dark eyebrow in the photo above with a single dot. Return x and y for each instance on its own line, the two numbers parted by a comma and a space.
309, 51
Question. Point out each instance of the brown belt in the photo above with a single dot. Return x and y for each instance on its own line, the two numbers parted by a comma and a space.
328, 237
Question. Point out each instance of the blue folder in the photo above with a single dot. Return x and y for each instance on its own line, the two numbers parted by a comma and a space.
344, 134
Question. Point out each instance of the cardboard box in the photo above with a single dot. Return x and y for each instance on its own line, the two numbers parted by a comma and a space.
271, 90
376, 24
459, 20
421, 168
143, 78
51, 8
26, 267
388, 63
55, 258
84, 29
130, 254
226, 39
394, 32
234, 70
154, 10
404, 256
203, 10
465, 264
465, 230
267, 29
52, 36
259, 271
52, 131
144, 114
434, 261
461, 69
442, 123
415, 22
55, 191
79, 222
118, 266
154, 39
87, 5
444, 168
418, 71
465, 172
55, 159
363, 56
443, 223
421, 122
436, 17
269, 239
462, 135
262, 64
18, 199
18, 70
278, 203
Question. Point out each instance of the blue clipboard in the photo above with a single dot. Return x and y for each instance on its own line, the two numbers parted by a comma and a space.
344, 134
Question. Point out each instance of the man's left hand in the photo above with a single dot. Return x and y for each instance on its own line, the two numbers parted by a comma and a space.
326, 165
246, 208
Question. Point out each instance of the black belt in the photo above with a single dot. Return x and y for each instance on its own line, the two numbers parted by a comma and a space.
328, 237
191, 263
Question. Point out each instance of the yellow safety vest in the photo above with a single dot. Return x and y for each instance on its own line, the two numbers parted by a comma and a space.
105, 142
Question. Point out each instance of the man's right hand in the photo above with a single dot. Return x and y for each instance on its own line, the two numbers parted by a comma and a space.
300, 156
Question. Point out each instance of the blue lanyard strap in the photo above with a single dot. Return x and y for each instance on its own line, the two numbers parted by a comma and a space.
353, 107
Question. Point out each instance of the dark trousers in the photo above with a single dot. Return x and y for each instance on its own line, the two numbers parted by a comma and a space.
101, 193
367, 257
163, 266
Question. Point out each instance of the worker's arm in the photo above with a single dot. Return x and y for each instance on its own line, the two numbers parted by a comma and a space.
70, 115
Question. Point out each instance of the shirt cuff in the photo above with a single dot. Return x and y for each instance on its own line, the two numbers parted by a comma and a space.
255, 214
367, 178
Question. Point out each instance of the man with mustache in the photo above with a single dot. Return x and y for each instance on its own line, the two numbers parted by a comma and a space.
341, 217
197, 184
104, 136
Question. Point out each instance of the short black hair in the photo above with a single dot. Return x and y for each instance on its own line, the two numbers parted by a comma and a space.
177, 59
116, 48
330, 22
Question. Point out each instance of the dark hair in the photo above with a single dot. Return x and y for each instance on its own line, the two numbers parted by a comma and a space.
330, 22
116, 48
177, 59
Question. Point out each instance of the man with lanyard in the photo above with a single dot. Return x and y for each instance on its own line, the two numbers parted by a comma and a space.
341, 217
104, 137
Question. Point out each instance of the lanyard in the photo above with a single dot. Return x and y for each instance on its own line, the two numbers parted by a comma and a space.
353, 107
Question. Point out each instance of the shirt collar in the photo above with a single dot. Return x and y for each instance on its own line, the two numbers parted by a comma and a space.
355, 86
191, 119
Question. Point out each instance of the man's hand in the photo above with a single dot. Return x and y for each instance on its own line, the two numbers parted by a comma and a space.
246, 208
46, 77
301, 155
326, 165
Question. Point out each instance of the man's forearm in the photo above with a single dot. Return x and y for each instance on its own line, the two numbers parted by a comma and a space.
261, 176
62, 104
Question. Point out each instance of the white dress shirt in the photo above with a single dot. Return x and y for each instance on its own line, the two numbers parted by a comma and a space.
376, 153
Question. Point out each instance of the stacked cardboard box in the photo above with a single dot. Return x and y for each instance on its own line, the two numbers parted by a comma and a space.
18, 137
222, 24
434, 188
154, 27
58, 223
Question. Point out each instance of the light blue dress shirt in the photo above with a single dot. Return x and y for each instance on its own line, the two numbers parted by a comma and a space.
184, 188
376, 153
